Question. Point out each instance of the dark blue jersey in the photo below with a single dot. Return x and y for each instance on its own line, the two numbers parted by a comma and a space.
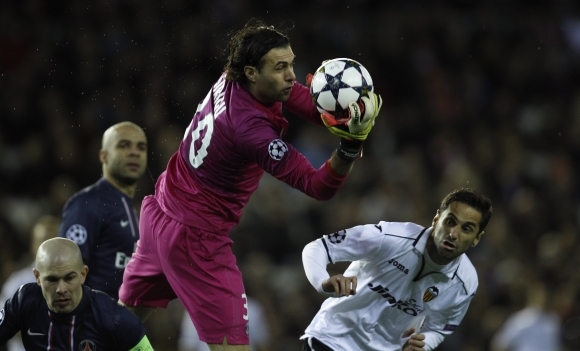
97, 324
104, 224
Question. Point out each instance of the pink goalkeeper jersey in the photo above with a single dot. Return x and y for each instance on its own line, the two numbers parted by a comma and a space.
231, 141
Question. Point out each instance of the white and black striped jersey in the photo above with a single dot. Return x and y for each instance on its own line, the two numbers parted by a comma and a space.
397, 281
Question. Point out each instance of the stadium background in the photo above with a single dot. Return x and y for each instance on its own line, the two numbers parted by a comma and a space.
478, 94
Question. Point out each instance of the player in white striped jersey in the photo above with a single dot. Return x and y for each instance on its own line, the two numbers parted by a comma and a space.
407, 287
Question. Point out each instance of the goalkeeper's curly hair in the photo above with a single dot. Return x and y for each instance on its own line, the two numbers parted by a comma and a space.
248, 46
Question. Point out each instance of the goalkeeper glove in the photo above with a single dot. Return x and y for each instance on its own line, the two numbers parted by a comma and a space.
359, 119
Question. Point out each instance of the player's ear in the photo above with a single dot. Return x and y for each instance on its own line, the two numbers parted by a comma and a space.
435, 219
103, 156
477, 239
36, 275
84, 273
250, 72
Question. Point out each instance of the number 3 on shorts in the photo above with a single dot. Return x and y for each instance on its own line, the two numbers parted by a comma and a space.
245, 306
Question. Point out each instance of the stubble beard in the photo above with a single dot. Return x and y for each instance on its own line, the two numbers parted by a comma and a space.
124, 180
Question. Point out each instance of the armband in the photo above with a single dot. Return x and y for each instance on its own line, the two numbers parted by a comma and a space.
143, 345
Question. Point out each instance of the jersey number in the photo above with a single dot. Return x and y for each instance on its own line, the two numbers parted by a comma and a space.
196, 156
245, 316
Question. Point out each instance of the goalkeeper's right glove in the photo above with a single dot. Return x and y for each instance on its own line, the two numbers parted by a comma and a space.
359, 120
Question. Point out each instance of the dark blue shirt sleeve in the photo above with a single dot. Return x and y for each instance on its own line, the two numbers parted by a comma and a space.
128, 329
9, 319
81, 223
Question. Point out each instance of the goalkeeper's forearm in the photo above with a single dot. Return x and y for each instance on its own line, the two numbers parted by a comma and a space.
340, 166
343, 158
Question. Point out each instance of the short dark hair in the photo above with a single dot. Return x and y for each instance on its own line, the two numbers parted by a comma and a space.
248, 46
472, 198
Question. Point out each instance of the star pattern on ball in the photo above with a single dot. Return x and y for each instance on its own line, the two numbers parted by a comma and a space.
338, 83
335, 83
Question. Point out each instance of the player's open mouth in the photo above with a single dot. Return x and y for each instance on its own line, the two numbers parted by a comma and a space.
448, 245
62, 302
133, 165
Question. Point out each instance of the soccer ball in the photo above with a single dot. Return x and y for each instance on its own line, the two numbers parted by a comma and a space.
339, 82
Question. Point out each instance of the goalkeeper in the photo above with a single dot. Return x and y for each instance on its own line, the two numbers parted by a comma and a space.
235, 135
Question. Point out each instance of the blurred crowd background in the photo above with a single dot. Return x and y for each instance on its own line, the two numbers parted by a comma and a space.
481, 94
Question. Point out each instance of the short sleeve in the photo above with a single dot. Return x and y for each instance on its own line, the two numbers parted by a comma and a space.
80, 224
10, 318
362, 242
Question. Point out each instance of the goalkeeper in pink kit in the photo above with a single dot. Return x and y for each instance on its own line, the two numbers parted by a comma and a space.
235, 135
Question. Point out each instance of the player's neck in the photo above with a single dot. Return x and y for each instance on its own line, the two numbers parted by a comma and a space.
126, 189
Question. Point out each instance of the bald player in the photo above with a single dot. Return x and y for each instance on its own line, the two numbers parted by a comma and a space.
59, 313
46, 227
101, 218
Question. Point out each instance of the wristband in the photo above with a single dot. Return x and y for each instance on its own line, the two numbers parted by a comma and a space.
349, 150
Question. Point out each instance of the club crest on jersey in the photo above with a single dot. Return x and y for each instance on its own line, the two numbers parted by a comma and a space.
77, 233
1, 316
87, 345
430, 293
277, 149
337, 237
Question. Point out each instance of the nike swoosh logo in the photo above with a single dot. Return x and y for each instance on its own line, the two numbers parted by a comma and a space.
124, 223
31, 333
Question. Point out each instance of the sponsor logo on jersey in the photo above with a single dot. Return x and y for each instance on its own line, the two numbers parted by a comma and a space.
398, 265
1, 316
77, 233
410, 307
337, 237
430, 293
87, 345
121, 260
277, 149
124, 223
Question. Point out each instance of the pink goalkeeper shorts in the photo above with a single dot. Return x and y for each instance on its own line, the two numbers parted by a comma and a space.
198, 267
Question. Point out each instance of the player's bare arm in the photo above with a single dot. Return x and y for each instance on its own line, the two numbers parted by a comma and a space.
339, 165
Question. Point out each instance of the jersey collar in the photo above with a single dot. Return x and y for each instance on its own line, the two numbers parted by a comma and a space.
105, 185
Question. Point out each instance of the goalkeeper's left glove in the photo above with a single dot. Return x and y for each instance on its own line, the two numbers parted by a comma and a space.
359, 121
